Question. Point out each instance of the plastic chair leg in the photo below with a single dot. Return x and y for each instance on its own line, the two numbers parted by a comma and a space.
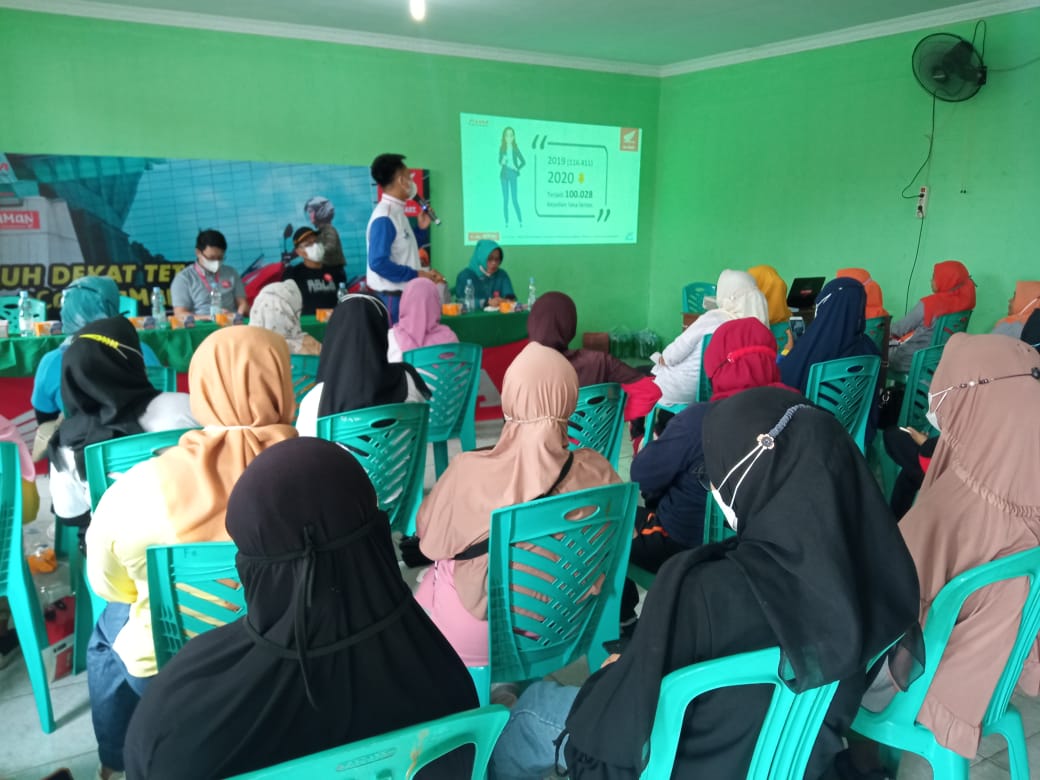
28, 622
482, 682
1010, 728
440, 457
948, 765
88, 608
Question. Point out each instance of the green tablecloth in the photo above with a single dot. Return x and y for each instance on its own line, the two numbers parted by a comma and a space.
20, 356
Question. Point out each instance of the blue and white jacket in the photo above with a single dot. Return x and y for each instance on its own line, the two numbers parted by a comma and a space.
393, 255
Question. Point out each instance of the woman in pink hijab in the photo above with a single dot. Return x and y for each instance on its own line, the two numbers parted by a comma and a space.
419, 322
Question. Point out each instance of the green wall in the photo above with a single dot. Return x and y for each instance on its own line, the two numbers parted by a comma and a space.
85, 86
799, 161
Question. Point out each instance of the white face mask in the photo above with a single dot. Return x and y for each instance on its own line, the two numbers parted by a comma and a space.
412, 189
932, 415
727, 510
210, 265
315, 253
932, 419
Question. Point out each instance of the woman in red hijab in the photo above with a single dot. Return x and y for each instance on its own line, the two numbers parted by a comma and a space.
952, 291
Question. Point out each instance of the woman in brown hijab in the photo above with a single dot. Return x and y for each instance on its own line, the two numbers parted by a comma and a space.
241, 392
539, 393
979, 502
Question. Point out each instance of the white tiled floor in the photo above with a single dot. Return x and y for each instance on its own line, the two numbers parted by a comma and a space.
26, 753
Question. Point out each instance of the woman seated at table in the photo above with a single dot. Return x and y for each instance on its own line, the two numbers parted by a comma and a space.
774, 288
278, 308
531, 460
553, 322
832, 587
241, 393
670, 469
247, 695
419, 322
875, 306
678, 369
953, 290
106, 395
82, 302
353, 372
491, 284
1021, 306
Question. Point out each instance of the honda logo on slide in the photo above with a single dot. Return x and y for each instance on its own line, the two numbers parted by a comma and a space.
630, 139
19, 220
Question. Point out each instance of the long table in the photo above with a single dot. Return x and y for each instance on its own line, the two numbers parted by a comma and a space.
501, 335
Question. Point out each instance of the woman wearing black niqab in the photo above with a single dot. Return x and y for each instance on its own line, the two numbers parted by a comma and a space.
334, 648
818, 567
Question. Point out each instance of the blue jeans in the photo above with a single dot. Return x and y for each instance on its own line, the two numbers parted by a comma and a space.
393, 305
509, 188
114, 692
526, 750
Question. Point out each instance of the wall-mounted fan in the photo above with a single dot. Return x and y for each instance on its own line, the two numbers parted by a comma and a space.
948, 67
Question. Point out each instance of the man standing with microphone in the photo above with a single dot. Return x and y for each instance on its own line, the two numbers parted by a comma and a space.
393, 255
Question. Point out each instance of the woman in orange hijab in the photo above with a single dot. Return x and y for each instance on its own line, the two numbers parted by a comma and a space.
1021, 305
952, 290
875, 300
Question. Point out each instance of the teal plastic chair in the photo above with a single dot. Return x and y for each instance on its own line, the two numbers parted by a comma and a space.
896, 726
192, 588
127, 306
598, 420
538, 623
693, 296
780, 334
452, 372
106, 462
703, 383
948, 324
17, 585
9, 311
715, 527
877, 331
304, 377
399, 754
846, 388
788, 733
390, 444
648, 436
162, 378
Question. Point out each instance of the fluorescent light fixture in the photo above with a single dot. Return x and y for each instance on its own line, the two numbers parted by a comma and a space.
418, 9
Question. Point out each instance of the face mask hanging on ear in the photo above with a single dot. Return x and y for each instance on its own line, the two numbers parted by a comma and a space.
727, 510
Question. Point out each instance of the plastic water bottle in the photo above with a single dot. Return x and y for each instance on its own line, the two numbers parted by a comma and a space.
532, 294
214, 303
158, 308
25, 314
470, 297
341, 293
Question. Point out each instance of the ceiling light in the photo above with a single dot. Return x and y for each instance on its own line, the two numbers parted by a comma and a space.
418, 9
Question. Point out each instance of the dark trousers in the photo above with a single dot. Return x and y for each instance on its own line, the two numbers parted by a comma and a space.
651, 547
114, 692
901, 448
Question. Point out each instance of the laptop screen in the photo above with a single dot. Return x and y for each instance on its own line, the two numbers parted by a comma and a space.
803, 291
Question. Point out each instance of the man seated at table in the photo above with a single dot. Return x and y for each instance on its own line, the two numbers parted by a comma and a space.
191, 288
318, 282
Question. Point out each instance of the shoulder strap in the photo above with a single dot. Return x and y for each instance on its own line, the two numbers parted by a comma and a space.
482, 547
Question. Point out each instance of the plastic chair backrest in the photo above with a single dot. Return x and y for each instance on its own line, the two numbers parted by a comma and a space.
598, 420
9, 311
304, 375
162, 378
541, 570
399, 754
10, 514
192, 588
877, 331
918, 383
651, 419
948, 324
390, 444
452, 372
127, 306
780, 334
693, 296
942, 618
703, 383
788, 732
108, 460
846, 388
715, 527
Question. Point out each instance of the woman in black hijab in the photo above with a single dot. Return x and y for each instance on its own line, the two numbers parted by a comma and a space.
818, 567
334, 648
353, 372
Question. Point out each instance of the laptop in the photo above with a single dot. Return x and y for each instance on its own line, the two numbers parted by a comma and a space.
803, 291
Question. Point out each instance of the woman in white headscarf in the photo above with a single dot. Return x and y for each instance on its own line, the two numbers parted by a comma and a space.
278, 308
678, 369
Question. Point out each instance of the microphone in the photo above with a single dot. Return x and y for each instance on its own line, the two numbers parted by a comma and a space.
425, 206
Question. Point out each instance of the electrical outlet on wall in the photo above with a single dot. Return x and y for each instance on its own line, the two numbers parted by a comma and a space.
922, 203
